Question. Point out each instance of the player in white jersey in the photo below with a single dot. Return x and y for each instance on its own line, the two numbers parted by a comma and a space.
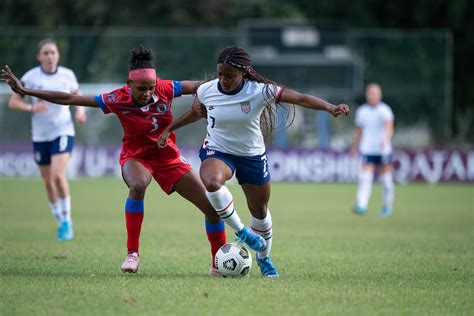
240, 108
52, 130
372, 140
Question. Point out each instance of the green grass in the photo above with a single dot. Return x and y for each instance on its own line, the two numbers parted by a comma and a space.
420, 261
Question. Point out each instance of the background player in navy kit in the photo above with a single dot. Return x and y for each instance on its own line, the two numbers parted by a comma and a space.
52, 130
240, 106
372, 139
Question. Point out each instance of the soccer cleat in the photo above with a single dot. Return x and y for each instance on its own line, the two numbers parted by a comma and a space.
213, 272
385, 212
267, 268
66, 231
59, 232
131, 263
253, 240
358, 210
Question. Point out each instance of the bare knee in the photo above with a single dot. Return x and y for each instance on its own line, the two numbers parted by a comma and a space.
137, 190
213, 182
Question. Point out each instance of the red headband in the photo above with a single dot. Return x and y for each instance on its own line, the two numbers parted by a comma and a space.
145, 73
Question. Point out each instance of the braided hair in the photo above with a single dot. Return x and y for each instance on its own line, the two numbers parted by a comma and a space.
141, 58
237, 57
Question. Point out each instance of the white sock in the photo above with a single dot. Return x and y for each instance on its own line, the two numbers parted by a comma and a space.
388, 191
223, 202
263, 227
66, 207
364, 188
56, 211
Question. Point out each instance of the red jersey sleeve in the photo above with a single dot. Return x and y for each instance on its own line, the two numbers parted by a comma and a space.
169, 88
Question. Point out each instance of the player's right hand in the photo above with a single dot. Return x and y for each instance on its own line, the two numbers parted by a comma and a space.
12, 80
40, 106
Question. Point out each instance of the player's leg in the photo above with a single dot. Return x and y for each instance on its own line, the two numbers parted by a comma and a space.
364, 187
388, 191
261, 222
191, 188
214, 173
60, 154
137, 177
42, 155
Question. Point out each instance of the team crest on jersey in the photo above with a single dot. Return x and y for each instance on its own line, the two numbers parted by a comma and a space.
245, 106
161, 108
111, 98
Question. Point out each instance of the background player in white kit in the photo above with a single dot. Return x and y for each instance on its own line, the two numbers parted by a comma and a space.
52, 130
372, 140
240, 106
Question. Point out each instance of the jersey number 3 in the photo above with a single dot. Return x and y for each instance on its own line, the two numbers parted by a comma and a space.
154, 122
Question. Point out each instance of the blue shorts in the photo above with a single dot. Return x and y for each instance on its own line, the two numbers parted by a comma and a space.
248, 170
377, 159
44, 150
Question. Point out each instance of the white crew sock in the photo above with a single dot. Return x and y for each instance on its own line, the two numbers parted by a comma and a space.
223, 202
263, 227
388, 191
56, 211
66, 207
364, 188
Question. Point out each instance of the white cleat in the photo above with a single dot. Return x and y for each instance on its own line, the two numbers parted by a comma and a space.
131, 263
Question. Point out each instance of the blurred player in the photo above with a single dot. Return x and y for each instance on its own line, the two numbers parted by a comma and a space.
240, 106
143, 107
372, 139
52, 130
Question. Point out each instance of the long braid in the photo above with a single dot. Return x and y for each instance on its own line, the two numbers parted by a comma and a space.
237, 57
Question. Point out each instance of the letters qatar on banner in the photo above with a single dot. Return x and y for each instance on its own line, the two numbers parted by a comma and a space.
298, 165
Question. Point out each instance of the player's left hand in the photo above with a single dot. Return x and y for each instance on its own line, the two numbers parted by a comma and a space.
199, 108
340, 109
163, 138
12, 80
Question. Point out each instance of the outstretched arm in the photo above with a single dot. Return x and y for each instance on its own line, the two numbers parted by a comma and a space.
186, 118
50, 96
189, 87
311, 102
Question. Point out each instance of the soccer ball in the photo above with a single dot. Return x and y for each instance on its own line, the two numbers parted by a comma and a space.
233, 260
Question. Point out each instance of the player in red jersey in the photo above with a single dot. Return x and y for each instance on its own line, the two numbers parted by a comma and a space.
143, 107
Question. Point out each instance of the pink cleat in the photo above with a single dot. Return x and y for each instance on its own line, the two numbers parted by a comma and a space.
213, 272
131, 263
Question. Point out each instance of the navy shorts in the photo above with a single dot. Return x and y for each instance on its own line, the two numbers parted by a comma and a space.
44, 150
377, 159
248, 170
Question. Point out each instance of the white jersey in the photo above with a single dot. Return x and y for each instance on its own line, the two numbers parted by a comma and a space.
371, 120
57, 120
233, 119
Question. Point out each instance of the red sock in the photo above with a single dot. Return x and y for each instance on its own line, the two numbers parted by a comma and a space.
134, 219
217, 240
134, 227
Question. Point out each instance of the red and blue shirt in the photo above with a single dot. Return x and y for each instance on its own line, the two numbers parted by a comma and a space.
142, 124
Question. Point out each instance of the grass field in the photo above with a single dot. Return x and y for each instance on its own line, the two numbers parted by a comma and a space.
420, 261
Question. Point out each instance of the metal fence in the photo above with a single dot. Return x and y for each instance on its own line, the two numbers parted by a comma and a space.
413, 68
